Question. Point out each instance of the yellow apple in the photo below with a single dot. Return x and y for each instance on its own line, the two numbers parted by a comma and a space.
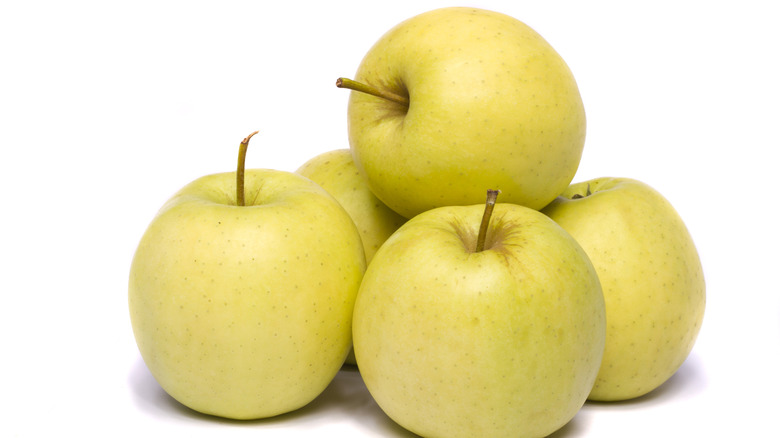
651, 276
458, 99
244, 309
457, 339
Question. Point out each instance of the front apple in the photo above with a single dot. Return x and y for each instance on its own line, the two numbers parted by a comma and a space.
458, 99
245, 311
456, 342
651, 276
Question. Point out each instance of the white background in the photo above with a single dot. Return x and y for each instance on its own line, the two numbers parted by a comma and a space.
107, 108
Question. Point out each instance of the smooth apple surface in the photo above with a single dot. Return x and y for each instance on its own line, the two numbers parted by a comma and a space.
491, 104
457, 343
336, 172
245, 312
651, 276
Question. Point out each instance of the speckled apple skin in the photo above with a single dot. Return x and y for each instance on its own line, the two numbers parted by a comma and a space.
651, 276
246, 312
500, 343
493, 106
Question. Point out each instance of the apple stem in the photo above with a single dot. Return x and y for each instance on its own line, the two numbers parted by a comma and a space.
368, 89
492, 195
240, 169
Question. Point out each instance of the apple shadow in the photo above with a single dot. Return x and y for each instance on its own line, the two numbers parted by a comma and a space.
149, 396
576, 427
345, 396
688, 381
366, 411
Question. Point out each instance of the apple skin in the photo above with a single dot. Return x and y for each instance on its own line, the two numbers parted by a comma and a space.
502, 342
651, 276
336, 172
492, 104
245, 312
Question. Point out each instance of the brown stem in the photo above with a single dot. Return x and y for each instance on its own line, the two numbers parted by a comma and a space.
240, 169
483, 227
368, 89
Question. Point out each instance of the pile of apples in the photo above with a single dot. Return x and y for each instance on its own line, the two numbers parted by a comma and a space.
445, 253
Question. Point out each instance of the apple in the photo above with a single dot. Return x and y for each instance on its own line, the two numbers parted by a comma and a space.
241, 292
457, 99
651, 276
336, 172
469, 326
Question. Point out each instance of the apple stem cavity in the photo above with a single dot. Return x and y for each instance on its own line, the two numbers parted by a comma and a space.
587, 193
492, 195
240, 169
368, 89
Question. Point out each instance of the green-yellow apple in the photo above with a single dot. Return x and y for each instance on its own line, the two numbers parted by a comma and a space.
335, 171
241, 299
468, 327
457, 99
651, 276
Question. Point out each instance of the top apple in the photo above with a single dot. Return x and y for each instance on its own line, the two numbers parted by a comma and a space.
474, 99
